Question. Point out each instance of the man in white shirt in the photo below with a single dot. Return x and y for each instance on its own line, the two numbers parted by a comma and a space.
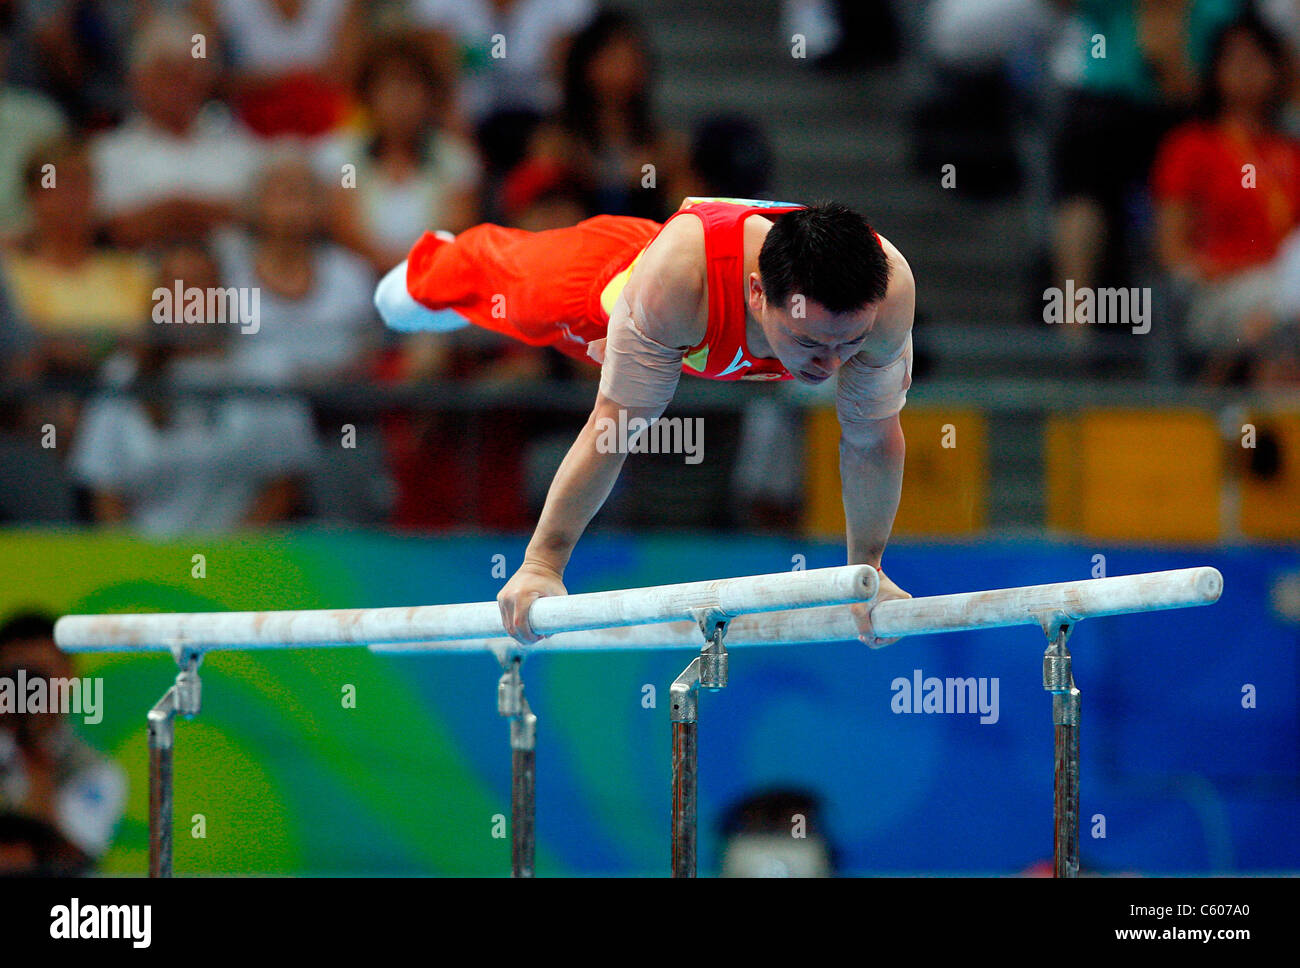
178, 166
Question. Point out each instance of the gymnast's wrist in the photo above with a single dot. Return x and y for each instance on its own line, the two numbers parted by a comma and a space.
546, 564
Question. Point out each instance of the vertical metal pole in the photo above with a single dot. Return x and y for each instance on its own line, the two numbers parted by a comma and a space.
523, 769
707, 670
685, 693
1058, 679
182, 699
162, 732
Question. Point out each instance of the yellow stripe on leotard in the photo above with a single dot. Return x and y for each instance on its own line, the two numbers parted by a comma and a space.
614, 288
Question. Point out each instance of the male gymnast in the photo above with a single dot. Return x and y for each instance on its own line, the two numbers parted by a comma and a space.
725, 289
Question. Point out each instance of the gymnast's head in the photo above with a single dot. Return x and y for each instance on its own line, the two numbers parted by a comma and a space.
822, 274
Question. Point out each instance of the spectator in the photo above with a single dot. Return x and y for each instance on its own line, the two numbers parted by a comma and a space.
27, 119
79, 299
731, 156
986, 92
411, 171
316, 323
167, 465
1228, 193
1121, 106
34, 484
606, 131
72, 50
542, 194
519, 71
776, 833
508, 54
293, 61
60, 800
178, 166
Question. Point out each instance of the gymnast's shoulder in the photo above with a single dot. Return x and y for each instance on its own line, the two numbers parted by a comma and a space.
894, 315
667, 292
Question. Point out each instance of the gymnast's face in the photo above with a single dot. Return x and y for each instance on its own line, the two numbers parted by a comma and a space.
810, 341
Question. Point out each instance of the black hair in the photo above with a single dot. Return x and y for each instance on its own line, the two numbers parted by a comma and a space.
579, 111
26, 626
733, 156
405, 51
1267, 39
773, 811
828, 254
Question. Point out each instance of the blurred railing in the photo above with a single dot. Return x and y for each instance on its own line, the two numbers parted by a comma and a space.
1116, 460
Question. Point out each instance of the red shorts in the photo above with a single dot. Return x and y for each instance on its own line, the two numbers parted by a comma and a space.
539, 287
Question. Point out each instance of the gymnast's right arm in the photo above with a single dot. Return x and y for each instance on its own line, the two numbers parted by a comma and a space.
639, 376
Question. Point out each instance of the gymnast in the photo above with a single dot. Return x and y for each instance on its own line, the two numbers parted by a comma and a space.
725, 289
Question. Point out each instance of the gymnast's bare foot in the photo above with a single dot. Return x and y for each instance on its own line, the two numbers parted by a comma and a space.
862, 611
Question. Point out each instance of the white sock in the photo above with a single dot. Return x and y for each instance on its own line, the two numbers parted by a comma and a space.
401, 312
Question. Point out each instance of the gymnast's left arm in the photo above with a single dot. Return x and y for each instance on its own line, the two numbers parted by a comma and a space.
869, 396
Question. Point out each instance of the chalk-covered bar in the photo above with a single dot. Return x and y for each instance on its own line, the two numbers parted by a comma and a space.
204, 631
962, 612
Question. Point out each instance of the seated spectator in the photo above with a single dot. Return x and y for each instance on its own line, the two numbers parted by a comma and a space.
168, 464
776, 833
316, 322
541, 194
731, 157
28, 119
606, 131
520, 76
986, 91
178, 166
292, 61
508, 85
411, 171
34, 484
60, 800
1227, 190
78, 298
73, 51
1120, 108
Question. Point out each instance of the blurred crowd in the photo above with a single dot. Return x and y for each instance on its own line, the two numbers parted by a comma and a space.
1158, 140
290, 152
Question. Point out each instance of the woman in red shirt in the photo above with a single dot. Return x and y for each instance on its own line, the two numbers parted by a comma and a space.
1227, 192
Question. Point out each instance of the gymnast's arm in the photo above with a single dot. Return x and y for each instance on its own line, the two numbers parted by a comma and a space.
650, 329
871, 391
